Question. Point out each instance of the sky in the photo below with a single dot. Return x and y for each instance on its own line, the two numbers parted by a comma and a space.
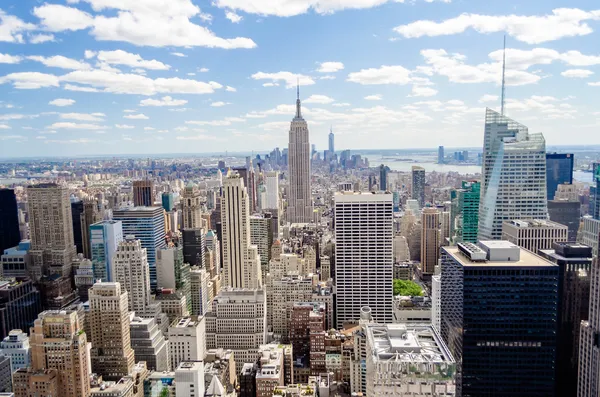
93, 77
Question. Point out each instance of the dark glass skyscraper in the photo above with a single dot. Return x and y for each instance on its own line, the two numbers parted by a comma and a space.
559, 169
383, 177
499, 308
9, 220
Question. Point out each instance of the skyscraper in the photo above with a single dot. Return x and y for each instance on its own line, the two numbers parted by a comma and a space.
441, 155
383, 177
514, 175
194, 246
241, 265
76, 215
89, 216
167, 201
9, 220
112, 355
430, 240
132, 273
464, 213
272, 182
364, 255
559, 169
300, 206
191, 208
105, 237
331, 142
51, 229
58, 342
418, 185
499, 308
589, 351
19, 305
143, 193
148, 225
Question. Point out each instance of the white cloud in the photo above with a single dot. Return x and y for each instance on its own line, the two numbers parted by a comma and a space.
563, 22
73, 87
149, 128
41, 38
383, 75
88, 54
179, 54
83, 116
230, 89
285, 109
200, 137
12, 28
4, 127
129, 111
120, 57
341, 104
12, 116
275, 126
217, 123
233, 17
290, 79
74, 126
203, 70
420, 91
59, 61
322, 99
122, 83
69, 141
191, 74
327, 77
30, 80
61, 102
549, 106
577, 73
330, 67
489, 98
124, 126
139, 116
10, 137
147, 23
7, 58
376, 97
270, 84
219, 104
164, 101
594, 84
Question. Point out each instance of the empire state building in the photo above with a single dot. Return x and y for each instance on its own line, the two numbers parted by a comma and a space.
300, 206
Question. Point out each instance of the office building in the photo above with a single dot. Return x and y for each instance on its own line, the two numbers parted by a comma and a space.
534, 234
15, 261
271, 369
111, 354
241, 262
105, 237
148, 225
588, 374
590, 233
51, 230
364, 245
300, 206
418, 185
408, 360
282, 293
194, 246
59, 342
28, 382
440, 155
89, 216
237, 322
331, 147
464, 212
133, 274
575, 262
76, 216
559, 169
16, 346
168, 201
187, 340
189, 379
383, 177
9, 220
430, 241
595, 192
514, 175
566, 209
272, 184
412, 310
191, 208
143, 193
172, 272
306, 322
483, 290
149, 344
19, 305
199, 291
247, 380
261, 235
5, 375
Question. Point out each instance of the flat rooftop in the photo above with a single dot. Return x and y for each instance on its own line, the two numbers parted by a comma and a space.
526, 223
527, 258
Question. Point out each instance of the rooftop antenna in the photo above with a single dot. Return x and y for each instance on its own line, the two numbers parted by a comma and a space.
298, 113
503, 78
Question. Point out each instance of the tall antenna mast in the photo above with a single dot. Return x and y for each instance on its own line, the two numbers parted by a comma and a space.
503, 77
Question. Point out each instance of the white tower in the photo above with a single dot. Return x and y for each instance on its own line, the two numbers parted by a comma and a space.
133, 273
300, 208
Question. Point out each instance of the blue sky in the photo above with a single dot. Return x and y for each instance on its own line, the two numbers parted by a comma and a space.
84, 77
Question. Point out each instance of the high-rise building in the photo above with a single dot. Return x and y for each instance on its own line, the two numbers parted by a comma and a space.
559, 169
464, 213
534, 234
430, 241
331, 142
271, 369
9, 220
300, 206
383, 177
191, 208
143, 193
172, 272
132, 273
168, 201
595, 197
499, 309
418, 185
189, 379
261, 235
105, 237
364, 246
237, 322
441, 155
395, 357
28, 382
514, 175
16, 346
566, 209
89, 216
199, 291
15, 261
241, 262
575, 262
59, 342
148, 343
111, 354
589, 352
272, 183
187, 340
194, 246
282, 293
76, 215
19, 305
148, 225
51, 230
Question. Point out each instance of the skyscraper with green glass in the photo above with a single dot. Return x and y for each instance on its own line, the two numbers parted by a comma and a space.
465, 212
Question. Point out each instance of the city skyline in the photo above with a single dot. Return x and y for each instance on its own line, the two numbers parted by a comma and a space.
83, 88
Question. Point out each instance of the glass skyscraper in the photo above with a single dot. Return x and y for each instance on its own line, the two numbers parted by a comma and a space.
464, 217
514, 175
105, 237
559, 169
9, 221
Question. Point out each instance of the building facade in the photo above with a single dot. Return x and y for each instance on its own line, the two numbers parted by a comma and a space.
187, 340
143, 193
559, 170
133, 274
464, 213
105, 237
9, 220
534, 234
430, 240
418, 185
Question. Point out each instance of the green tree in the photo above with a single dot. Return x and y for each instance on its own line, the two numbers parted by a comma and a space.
407, 288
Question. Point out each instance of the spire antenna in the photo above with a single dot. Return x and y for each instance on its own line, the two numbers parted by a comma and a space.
503, 78
298, 88
298, 111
